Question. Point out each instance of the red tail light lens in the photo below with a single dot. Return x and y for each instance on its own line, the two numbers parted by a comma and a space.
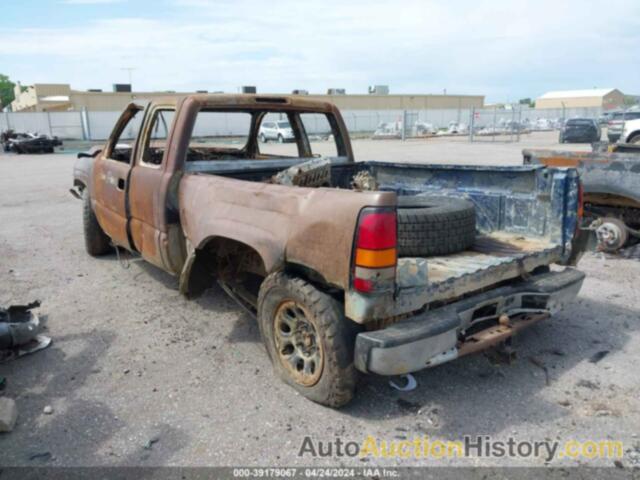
377, 230
375, 255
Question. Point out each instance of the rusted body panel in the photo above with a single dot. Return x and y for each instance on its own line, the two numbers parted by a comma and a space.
312, 227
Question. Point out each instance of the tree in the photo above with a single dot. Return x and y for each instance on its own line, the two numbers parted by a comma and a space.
6, 91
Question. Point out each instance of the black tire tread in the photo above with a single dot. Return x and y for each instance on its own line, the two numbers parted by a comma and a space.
96, 242
448, 227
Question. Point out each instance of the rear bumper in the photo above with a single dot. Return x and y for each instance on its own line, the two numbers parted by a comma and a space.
434, 337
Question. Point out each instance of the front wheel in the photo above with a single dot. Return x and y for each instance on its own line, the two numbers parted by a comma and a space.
263, 139
280, 139
308, 339
96, 242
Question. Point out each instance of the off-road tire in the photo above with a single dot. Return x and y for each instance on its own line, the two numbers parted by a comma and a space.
96, 242
337, 382
434, 225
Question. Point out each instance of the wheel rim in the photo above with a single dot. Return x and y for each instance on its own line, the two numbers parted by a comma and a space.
297, 343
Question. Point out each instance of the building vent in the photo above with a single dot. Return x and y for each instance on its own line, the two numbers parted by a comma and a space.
300, 92
122, 87
248, 89
379, 90
336, 91
95, 90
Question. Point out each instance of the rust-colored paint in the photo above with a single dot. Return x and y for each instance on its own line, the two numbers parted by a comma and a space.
283, 224
109, 181
492, 336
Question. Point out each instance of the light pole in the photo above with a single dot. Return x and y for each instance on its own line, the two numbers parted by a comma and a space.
130, 71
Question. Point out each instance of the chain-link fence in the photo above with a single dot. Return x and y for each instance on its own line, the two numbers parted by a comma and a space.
508, 124
481, 124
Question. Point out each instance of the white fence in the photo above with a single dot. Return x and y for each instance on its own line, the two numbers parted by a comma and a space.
84, 125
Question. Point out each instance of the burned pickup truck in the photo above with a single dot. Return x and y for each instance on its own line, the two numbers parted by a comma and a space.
383, 268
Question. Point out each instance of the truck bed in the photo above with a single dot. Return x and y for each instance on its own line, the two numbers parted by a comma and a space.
493, 258
525, 217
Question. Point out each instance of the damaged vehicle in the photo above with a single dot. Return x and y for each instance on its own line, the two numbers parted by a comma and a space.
611, 182
350, 268
28, 142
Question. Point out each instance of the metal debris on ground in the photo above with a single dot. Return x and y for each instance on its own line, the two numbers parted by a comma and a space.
410, 385
149, 444
19, 331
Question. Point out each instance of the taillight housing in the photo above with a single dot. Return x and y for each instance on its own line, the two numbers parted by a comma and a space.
375, 251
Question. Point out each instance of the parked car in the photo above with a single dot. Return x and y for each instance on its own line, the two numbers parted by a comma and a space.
580, 130
279, 131
350, 267
616, 123
631, 131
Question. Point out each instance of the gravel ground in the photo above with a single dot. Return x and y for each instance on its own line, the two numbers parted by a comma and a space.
137, 375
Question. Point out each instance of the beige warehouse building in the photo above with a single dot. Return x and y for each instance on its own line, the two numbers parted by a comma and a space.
61, 97
605, 98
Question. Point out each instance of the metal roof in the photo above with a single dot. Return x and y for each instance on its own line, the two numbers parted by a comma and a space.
593, 92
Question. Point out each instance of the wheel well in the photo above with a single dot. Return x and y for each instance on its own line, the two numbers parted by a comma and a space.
235, 262
225, 259
78, 183
634, 136
314, 278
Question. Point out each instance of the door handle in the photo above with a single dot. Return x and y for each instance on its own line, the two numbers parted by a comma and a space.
121, 184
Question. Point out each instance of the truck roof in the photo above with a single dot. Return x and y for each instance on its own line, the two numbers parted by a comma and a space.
249, 102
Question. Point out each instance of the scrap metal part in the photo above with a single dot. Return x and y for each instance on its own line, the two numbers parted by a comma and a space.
364, 181
314, 173
19, 330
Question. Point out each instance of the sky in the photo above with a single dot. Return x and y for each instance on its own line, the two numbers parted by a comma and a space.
505, 50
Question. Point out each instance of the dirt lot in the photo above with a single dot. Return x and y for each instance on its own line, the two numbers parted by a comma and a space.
137, 375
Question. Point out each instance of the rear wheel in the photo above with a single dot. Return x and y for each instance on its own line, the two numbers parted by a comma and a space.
308, 339
96, 242
612, 234
635, 139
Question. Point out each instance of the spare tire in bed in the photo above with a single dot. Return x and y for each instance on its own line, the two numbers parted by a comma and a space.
430, 225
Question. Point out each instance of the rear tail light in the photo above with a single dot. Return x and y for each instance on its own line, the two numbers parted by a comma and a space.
375, 256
